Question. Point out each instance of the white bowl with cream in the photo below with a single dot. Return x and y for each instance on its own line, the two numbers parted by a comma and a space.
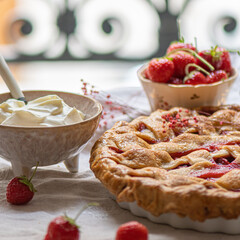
51, 128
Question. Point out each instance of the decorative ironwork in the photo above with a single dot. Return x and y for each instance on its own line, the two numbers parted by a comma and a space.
113, 30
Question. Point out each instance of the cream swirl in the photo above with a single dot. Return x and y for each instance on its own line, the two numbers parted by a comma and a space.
49, 110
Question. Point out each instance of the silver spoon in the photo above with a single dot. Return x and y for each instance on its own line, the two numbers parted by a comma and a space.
10, 81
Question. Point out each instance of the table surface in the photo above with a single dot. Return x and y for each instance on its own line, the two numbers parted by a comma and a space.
60, 191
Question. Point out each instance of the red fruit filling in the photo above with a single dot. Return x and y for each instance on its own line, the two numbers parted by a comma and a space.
151, 141
224, 161
221, 165
115, 149
208, 147
216, 171
141, 127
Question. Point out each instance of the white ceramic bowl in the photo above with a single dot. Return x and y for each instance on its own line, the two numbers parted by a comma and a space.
165, 96
24, 147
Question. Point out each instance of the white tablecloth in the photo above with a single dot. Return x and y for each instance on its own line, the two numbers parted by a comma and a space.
60, 191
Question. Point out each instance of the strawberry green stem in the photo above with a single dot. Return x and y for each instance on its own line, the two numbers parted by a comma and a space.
84, 208
34, 172
197, 67
195, 42
190, 75
234, 51
195, 55
27, 182
180, 37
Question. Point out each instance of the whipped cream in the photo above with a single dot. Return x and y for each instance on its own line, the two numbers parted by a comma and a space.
49, 110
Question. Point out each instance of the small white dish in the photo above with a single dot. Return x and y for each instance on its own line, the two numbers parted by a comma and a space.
165, 96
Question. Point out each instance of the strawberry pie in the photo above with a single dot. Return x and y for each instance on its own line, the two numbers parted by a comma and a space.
176, 161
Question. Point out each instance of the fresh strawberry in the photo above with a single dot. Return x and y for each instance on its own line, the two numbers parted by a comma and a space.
181, 60
174, 80
160, 69
218, 57
47, 237
62, 228
132, 231
216, 76
146, 74
20, 190
194, 78
177, 45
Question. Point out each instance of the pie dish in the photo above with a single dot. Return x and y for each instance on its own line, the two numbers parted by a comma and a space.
177, 161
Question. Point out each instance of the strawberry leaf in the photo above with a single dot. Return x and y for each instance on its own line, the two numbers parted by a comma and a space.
25, 181
215, 53
71, 221
181, 39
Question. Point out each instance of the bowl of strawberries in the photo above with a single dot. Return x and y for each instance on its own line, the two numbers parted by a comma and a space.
186, 77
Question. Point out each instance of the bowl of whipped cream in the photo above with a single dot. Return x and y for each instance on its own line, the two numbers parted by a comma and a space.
50, 128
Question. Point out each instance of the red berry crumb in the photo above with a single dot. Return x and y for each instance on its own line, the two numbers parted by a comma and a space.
132, 231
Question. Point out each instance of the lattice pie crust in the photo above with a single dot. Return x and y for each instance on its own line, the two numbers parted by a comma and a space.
182, 161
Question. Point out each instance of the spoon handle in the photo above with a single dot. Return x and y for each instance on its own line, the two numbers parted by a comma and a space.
10, 80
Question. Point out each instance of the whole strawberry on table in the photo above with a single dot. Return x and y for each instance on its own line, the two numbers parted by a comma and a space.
64, 227
184, 64
20, 190
132, 230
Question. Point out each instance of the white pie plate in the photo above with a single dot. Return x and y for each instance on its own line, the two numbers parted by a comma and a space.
209, 226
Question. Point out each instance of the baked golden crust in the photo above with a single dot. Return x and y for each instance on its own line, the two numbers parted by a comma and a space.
177, 161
